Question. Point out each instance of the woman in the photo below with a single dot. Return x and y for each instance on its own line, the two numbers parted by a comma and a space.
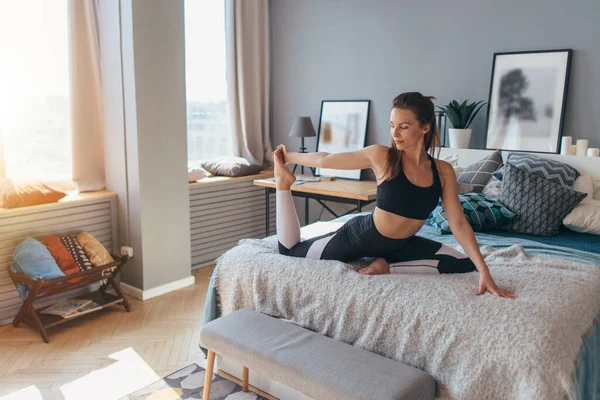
409, 185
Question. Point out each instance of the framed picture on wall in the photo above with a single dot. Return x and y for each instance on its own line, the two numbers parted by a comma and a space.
342, 128
528, 92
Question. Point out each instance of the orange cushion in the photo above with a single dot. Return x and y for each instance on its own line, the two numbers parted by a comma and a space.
63, 258
97, 254
27, 193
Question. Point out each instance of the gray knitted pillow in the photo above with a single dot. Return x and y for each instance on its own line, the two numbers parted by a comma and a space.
539, 203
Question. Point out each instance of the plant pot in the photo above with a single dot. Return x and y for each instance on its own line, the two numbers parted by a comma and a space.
459, 138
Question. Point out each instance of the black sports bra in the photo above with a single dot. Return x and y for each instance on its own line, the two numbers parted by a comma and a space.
401, 197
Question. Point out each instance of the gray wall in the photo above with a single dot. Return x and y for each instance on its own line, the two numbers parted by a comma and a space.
146, 157
359, 49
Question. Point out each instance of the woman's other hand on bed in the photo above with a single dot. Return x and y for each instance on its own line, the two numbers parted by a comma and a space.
487, 283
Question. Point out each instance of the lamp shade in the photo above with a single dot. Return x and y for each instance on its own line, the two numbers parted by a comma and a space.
302, 127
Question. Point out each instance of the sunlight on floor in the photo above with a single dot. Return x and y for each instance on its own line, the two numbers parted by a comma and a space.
125, 376
128, 374
28, 393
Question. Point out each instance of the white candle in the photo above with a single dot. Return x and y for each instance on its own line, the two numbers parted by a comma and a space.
593, 152
573, 150
582, 146
565, 145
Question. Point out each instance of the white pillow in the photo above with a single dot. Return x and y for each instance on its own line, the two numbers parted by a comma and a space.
584, 218
451, 159
196, 173
585, 184
492, 189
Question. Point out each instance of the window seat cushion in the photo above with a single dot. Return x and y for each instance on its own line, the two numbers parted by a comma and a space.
14, 193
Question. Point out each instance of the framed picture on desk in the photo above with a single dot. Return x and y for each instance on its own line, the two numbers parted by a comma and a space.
342, 128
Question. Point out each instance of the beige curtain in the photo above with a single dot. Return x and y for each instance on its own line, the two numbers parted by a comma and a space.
247, 38
86, 102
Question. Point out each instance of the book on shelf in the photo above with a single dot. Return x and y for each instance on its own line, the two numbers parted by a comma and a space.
85, 309
67, 307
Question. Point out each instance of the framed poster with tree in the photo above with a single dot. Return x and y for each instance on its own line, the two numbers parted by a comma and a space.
528, 92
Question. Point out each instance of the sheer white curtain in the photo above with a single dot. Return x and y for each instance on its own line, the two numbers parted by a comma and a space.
86, 101
247, 41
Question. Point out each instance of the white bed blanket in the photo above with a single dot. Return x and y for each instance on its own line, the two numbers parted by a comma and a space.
476, 347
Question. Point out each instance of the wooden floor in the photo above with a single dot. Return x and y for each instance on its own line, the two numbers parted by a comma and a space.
107, 354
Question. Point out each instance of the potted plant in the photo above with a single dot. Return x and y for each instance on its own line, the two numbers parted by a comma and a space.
461, 115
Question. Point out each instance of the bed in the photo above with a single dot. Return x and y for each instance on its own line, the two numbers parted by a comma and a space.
543, 345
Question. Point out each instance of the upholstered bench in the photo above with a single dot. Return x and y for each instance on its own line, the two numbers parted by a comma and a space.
316, 365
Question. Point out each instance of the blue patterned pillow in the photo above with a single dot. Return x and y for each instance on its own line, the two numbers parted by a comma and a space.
554, 171
481, 212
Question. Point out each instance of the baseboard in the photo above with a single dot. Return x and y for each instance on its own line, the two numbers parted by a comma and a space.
159, 290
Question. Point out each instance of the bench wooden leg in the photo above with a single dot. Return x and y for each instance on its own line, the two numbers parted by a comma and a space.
244, 379
210, 362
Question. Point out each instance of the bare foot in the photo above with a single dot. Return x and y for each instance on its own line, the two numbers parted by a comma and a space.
284, 177
377, 267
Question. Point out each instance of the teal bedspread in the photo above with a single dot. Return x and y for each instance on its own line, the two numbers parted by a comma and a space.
570, 245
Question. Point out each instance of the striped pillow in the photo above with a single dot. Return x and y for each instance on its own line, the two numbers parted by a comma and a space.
554, 171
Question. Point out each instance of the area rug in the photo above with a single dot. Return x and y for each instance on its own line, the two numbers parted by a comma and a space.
188, 384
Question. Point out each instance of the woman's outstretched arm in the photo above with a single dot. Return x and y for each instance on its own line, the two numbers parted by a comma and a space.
463, 232
364, 158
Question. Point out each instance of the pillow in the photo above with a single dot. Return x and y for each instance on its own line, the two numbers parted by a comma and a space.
553, 170
97, 254
540, 204
83, 262
584, 218
61, 255
463, 188
21, 289
498, 175
585, 184
451, 159
196, 173
27, 193
230, 166
492, 189
480, 173
34, 260
481, 212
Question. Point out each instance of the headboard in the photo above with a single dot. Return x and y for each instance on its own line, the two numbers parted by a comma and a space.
585, 165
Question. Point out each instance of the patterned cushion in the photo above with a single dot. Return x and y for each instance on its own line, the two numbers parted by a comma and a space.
480, 173
77, 252
498, 175
555, 171
539, 203
481, 212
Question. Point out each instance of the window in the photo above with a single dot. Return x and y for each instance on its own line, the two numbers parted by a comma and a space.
35, 126
206, 85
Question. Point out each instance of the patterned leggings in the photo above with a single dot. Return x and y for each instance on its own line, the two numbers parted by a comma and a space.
360, 238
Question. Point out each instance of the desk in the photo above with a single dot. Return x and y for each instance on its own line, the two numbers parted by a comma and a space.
345, 191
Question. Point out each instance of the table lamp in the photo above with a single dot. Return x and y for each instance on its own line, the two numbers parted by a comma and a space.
302, 127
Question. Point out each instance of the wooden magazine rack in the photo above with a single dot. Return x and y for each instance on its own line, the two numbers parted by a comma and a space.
40, 289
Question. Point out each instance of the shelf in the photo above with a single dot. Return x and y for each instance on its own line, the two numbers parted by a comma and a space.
102, 299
